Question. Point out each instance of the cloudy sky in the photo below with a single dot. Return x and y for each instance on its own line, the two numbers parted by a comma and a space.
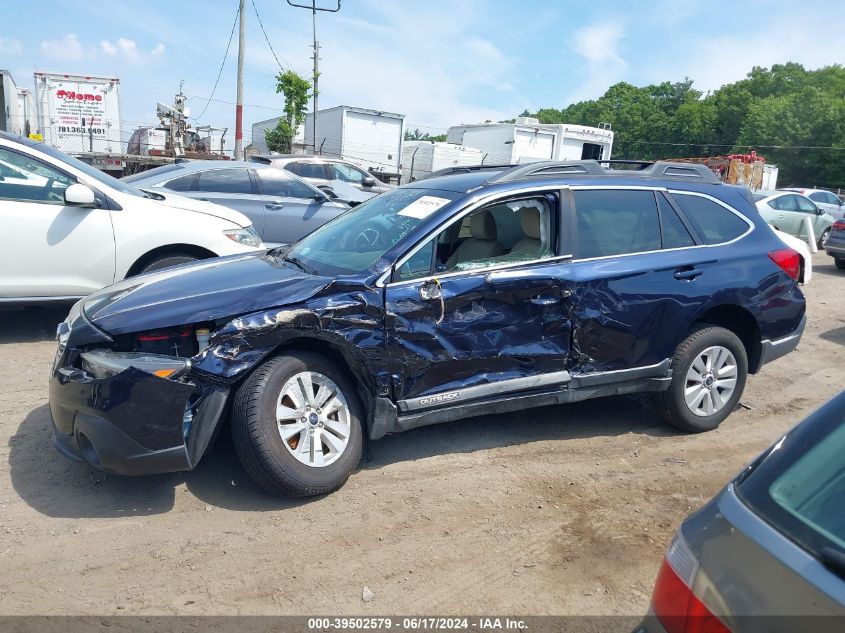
439, 62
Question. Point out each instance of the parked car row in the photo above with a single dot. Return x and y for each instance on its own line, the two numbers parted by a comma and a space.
789, 212
71, 229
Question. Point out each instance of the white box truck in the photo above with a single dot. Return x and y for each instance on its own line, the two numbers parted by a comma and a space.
79, 114
421, 158
17, 107
528, 140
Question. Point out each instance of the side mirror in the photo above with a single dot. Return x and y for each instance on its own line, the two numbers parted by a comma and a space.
369, 181
328, 191
77, 195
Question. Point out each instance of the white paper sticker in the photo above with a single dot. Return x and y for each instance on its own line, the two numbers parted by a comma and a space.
424, 207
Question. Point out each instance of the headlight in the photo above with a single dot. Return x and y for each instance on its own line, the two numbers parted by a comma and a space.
102, 363
247, 236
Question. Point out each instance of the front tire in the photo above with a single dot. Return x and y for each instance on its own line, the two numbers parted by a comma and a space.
296, 425
709, 371
166, 261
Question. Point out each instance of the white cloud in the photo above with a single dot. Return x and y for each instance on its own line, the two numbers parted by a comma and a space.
10, 46
68, 48
123, 47
128, 50
598, 44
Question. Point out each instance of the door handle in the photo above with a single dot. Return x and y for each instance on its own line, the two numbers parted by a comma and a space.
687, 273
431, 290
544, 300
274, 205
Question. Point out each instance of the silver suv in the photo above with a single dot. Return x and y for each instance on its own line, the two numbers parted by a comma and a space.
322, 170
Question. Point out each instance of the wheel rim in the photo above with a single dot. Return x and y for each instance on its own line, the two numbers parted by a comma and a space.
711, 381
825, 235
313, 419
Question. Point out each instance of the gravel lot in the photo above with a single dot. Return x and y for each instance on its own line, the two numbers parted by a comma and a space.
560, 510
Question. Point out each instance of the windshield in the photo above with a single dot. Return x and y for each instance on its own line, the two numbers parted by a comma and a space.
759, 196
157, 171
88, 170
357, 239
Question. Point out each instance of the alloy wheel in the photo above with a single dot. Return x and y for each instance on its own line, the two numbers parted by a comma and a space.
313, 419
710, 381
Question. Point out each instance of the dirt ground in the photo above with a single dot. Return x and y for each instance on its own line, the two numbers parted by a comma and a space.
560, 510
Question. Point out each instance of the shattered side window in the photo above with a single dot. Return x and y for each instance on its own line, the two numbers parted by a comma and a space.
503, 233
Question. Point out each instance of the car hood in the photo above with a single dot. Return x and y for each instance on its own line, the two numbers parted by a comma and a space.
201, 206
201, 291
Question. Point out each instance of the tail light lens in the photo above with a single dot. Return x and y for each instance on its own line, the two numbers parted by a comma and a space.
788, 260
839, 225
673, 601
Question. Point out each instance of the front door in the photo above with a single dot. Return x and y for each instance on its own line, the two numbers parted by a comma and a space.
291, 210
479, 310
230, 187
48, 249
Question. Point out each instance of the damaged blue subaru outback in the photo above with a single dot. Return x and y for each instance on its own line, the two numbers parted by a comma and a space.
485, 291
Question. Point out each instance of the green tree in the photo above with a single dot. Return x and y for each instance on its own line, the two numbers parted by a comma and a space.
801, 112
296, 93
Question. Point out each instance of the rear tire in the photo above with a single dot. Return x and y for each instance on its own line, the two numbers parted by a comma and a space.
709, 371
277, 439
823, 237
167, 260
840, 263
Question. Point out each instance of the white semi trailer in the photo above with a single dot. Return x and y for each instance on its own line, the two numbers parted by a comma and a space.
78, 113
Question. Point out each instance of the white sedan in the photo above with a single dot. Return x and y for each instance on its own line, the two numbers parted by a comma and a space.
70, 229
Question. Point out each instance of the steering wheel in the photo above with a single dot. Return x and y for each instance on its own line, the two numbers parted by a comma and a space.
368, 238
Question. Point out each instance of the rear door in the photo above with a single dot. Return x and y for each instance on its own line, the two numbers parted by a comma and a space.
788, 216
48, 249
291, 207
477, 311
231, 187
641, 274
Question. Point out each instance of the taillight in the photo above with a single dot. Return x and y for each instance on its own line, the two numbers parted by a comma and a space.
673, 601
839, 225
789, 260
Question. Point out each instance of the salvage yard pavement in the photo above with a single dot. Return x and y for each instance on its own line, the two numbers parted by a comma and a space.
560, 510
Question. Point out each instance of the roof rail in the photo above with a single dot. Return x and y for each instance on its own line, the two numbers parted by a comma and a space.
645, 169
466, 169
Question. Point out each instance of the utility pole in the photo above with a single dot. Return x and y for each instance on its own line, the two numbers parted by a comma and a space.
239, 107
315, 80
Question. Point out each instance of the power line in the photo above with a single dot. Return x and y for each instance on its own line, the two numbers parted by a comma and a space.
261, 24
246, 105
632, 142
222, 64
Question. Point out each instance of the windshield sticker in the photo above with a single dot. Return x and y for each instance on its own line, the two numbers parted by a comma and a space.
424, 207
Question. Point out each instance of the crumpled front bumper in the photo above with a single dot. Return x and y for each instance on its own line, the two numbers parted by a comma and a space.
132, 423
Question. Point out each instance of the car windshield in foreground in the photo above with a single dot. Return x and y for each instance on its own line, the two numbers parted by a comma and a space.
799, 485
91, 172
355, 240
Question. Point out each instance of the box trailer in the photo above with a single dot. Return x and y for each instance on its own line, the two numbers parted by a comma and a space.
528, 140
372, 139
78, 113
421, 158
